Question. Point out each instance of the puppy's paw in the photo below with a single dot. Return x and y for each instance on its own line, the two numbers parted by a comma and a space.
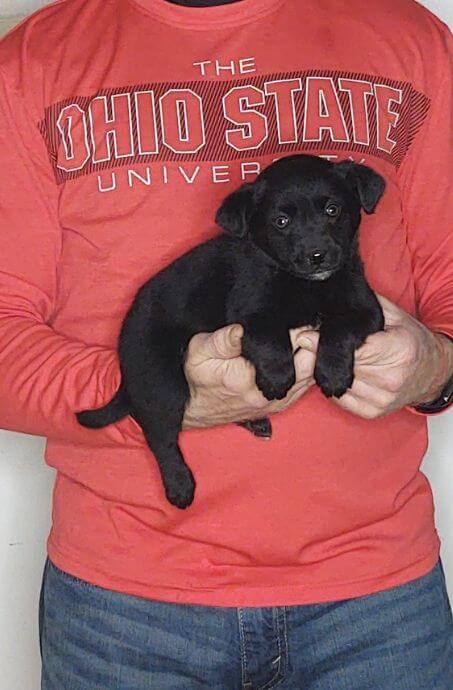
274, 385
333, 382
180, 487
261, 428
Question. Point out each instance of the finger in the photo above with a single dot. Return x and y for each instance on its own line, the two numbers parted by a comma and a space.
356, 406
371, 395
308, 340
385, 376
379, 348
304, 364
255, 399
296, 332
237, 375
298, 390
225, 343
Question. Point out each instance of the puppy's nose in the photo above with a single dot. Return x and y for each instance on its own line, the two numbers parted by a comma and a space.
316, 258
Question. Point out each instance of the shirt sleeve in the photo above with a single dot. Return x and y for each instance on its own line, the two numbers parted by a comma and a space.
44, 376
426, 182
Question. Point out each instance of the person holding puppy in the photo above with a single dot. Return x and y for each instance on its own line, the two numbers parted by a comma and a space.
310, 561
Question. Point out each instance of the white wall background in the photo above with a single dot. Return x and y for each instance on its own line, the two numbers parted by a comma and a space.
11, 8
25, 493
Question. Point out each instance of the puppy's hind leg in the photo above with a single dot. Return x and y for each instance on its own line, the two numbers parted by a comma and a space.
159, 393
261, 428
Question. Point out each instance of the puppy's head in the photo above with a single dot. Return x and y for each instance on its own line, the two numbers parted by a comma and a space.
304, 212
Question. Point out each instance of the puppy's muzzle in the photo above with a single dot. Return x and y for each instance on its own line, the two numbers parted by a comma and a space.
317, 258
319, 263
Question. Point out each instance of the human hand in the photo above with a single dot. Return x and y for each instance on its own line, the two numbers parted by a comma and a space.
222, 383
406, 364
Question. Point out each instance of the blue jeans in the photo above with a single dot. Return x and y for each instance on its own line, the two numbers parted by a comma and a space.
94, 639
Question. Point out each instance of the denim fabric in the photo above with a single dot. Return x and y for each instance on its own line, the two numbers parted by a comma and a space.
94, 639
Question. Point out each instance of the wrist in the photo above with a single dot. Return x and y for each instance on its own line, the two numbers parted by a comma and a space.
441, 364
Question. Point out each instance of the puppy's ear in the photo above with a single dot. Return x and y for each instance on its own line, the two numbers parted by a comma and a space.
369, 184
237, 209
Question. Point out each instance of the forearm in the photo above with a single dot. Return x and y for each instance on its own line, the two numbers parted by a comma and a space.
46, 378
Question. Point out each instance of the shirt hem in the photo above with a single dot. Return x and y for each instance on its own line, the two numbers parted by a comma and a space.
279, 595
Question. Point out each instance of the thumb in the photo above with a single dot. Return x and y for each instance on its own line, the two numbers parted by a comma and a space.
393, 315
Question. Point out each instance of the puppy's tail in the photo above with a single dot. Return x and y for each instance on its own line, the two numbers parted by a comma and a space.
115, 410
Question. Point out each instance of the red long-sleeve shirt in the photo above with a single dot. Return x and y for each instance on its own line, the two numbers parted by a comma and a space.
123, 123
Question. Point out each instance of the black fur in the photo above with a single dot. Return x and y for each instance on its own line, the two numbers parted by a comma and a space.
267, 277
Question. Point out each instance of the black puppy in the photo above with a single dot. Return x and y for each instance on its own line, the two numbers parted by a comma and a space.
289, 258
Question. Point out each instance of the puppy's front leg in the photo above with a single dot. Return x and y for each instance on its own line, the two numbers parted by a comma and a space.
334, 368
267, 345
338, 341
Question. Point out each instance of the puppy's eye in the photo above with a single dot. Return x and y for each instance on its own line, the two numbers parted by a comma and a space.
281, 222
333, 210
